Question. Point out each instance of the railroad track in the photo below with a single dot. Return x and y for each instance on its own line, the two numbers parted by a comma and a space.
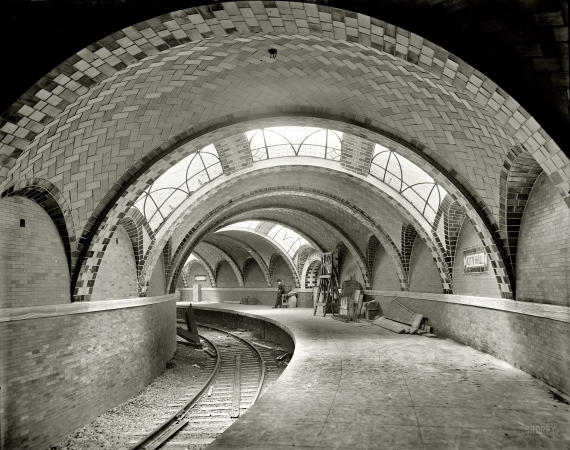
238, 373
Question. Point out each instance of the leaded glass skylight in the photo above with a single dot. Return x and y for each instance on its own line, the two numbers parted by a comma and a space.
177, 183
287, 239
413, 183
277, 142
251, 224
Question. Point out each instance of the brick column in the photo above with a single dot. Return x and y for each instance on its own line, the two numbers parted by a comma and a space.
356, 154
234, 153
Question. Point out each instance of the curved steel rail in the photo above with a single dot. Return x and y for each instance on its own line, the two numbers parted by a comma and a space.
260, 356
163, 432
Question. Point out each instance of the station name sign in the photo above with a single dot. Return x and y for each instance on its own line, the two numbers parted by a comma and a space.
475, 260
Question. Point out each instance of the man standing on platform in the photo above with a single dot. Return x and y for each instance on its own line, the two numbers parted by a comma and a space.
280, 291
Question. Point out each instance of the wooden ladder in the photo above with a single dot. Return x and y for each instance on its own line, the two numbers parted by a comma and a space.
327, 293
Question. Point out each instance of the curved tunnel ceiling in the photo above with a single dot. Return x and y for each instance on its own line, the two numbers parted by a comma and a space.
392, 86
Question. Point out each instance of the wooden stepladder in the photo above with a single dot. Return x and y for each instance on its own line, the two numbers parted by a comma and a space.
327, 294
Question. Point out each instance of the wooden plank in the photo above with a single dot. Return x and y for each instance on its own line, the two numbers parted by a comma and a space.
191, 337
234, 412
191, 320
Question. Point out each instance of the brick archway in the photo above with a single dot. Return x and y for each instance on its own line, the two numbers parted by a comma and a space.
206, 226
310, 262
94, 70
207, 268
488, 237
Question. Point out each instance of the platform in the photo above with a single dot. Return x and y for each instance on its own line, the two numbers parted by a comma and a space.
358, 386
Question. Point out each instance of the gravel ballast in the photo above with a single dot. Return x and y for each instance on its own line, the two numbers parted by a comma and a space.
121, 426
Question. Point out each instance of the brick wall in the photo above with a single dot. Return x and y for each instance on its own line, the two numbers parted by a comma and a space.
356, 153
537, 345
157, 283
482, 285
423, 275
266, 296
58, 374
385, 276
226, 277
254, 276
283, 272
198, 270
117, 276
350, 268
543, 259
33, 265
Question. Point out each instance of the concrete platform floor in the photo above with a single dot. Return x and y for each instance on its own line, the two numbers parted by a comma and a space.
358, 386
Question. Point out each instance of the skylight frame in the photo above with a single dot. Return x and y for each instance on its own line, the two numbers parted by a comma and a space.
395, 171
154, 211
271, 150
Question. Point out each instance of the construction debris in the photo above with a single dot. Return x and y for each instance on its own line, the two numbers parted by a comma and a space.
400, 319
249, 301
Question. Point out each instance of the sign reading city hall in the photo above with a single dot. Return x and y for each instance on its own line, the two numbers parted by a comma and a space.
475, 260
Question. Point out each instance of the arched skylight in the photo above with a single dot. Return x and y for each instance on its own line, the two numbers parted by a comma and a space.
276, 142
287, 239
177, 183
251, 224
409, 180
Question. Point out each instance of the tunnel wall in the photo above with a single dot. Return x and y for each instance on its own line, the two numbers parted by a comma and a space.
543, 253
534, 339
199, 270
254, 276
262, 328
479, 284
385, 276
64, 365
226, 277
117, 276
266, 296
424, 276
33, 265
157, 282
350, 268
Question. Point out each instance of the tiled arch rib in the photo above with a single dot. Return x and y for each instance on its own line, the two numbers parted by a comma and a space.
244, 203
183, 251
437, 252
323, 230
207, 267
114, 55
228, 212
309, 261
187, 270
255, 255
214, 255
239, 249
378, 135
83, 204
270, 220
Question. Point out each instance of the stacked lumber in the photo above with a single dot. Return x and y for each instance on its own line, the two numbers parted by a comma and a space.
400, 319
400, 313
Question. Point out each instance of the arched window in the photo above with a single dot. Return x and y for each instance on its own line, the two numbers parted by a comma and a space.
177, 183
251, 224
277, 142
405, 177
287, 239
